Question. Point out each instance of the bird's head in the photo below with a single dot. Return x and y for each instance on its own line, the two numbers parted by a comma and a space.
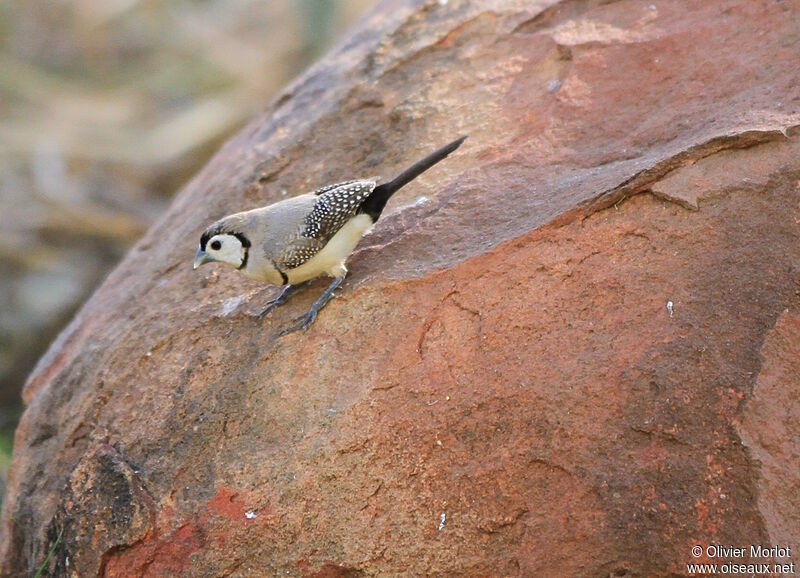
221, 243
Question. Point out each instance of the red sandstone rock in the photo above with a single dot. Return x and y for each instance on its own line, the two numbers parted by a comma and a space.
500, 388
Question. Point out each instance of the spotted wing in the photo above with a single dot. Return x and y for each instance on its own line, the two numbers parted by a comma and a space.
327, 188
335, 205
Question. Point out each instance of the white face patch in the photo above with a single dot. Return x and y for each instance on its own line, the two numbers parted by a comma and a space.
226, 248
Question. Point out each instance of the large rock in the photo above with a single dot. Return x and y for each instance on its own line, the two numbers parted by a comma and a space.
575, 356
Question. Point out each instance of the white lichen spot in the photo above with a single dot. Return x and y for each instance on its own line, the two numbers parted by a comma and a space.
230, 305
670, 308
553, 85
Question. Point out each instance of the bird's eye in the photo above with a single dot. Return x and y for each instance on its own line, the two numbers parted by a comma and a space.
216, 245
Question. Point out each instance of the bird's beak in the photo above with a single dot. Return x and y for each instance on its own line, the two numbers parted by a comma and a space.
201, 257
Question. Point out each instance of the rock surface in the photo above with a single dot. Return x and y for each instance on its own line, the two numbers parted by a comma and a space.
95, 137
576, 356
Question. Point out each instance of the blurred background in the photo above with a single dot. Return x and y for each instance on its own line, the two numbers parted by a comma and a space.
106, 108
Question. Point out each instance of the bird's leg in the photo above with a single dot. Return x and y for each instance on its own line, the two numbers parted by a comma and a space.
311, 315
286, 292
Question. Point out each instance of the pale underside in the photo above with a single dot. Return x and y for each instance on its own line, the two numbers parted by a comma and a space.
330, 260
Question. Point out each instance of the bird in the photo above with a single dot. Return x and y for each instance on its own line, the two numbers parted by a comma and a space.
296, 240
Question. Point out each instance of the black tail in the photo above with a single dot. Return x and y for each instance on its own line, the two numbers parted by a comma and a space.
375, 203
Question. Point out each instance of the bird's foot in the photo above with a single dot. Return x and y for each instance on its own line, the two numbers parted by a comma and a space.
280, 300
307, 319
283, 297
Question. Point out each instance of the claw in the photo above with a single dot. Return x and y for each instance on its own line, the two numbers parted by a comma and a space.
270, 306
283, 296
306, 322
